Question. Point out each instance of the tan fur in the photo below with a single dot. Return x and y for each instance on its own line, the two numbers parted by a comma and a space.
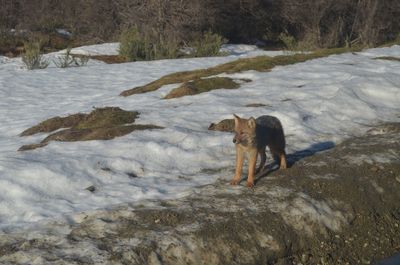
251, 138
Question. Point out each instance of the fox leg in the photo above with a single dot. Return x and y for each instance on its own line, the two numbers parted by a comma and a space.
282, 157
252, 168
279, 157
263, 159
239, 165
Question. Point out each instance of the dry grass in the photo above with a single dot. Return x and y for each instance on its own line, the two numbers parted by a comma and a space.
227, 125
256, 105
109, 59
390, 58
55, 123
202, 85
101, 124
261, 63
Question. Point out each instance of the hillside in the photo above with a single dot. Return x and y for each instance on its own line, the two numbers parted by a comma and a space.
90, 201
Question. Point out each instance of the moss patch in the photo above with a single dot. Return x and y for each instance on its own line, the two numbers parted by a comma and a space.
202, 85
261, 63
227, 125
101, 124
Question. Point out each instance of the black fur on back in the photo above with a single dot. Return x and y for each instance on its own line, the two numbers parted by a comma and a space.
269, 132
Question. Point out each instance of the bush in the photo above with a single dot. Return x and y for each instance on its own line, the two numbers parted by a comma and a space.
131, 45
208, 44
68, 59
135, 46
32, 57
289, 41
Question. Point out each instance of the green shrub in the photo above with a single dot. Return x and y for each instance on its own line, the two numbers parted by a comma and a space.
131, 46
68, 59
289, 41
208, 44
32, 58
135, 45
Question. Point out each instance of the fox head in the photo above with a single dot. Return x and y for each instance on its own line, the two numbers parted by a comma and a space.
245, 131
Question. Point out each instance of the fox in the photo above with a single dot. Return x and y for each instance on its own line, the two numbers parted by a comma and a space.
252, 136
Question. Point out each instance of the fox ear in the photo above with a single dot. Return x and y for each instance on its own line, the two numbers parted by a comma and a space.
251, 122
237, 118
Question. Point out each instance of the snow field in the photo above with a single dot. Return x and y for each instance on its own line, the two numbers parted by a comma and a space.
318, 102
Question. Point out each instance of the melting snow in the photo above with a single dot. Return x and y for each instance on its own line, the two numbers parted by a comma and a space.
319, 101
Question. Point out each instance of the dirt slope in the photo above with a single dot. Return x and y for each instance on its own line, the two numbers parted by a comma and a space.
341, 206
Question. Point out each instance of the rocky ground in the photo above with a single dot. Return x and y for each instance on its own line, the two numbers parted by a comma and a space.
340, 206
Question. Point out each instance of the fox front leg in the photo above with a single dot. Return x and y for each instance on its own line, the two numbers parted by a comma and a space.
252, 168
239, 165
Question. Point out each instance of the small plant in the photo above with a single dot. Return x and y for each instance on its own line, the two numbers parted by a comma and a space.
209, 44
81, 60
289, 41
68, 59
132, 46
135, 45
32, 58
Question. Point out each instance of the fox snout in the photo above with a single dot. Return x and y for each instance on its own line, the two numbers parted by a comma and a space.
240, 139
236, 138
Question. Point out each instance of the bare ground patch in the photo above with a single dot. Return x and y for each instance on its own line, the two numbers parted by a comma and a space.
108, 59
256, 105
294, 216
203, 85
390, 58
101, 124
226, 125
261, 63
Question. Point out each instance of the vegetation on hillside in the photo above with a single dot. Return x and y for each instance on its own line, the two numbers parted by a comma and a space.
306, 24
260, 63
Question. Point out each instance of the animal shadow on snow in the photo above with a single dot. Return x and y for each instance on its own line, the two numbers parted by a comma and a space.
295, 157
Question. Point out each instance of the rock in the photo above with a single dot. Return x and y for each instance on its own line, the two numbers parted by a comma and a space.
91, 188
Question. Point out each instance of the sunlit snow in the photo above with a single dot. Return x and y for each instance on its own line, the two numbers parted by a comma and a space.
319, 102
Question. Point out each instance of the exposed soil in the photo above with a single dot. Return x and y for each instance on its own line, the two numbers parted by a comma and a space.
390, 58
109, 59
202, 85
55, 123
256, 105
340, 206
260, 63
227, 125
101, 124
